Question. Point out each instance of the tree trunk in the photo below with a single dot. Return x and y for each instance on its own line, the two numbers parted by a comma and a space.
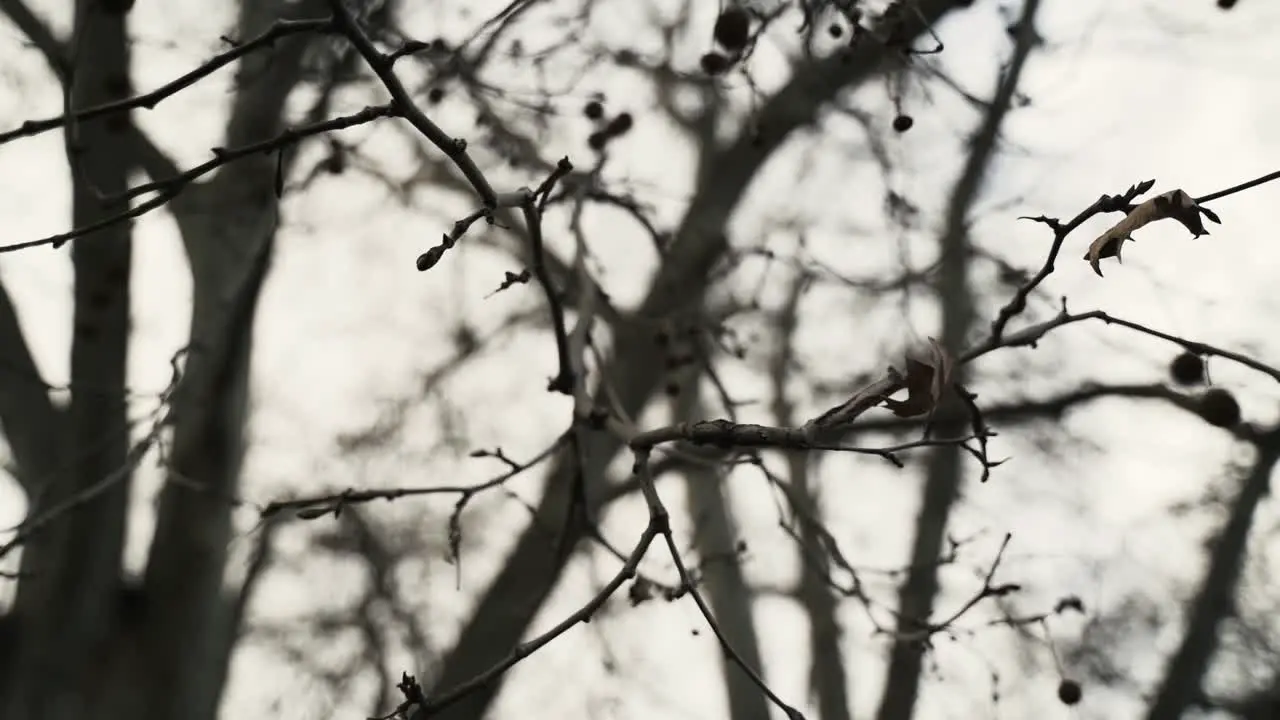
85, 644
722, 581
65, 607
1182, 685
828, 675
228, 229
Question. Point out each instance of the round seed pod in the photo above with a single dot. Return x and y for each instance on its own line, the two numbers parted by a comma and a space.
1219, 408
1187, 369
1069, 692
713, 63
733, 28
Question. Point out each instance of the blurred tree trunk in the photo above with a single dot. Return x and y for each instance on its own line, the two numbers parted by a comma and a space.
505, 611
945, 469
67, 597
715, 536
84, 644
1182, 685
918, 592
828, 677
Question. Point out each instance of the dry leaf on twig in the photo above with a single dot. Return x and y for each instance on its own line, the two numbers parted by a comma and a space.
926, 380
1175, 204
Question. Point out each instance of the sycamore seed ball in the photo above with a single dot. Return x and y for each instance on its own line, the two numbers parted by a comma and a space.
713, 63
733, 27
1069, 692
1219, 408
1187, 369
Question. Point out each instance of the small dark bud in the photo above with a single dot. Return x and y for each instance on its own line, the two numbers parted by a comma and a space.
903, 123
428, 259
619, 125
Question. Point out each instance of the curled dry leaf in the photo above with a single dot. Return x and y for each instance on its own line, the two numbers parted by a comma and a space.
1175, 204
926, 379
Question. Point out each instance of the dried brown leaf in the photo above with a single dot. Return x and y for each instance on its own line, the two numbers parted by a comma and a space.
1175, 204
926, 380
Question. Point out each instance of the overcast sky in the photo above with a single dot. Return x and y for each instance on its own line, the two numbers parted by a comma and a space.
1172, 90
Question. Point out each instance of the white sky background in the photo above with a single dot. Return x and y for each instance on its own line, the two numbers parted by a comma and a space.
1176, 91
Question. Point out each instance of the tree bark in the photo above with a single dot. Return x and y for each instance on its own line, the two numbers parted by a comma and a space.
65, 604
228, 228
